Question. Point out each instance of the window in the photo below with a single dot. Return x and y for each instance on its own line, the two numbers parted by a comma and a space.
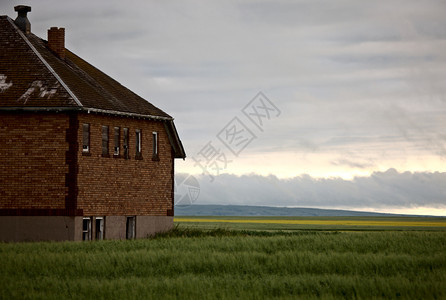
138, 143
104, 140
86, 229
130, 228
117, 137
126, 143
99, 233
155, 145
86, 138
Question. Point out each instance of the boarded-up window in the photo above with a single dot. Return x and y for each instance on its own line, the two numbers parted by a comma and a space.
117, 138
126, 143
105, 140
138, 143
86, 138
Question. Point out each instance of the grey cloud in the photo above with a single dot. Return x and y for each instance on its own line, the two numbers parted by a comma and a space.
380, 190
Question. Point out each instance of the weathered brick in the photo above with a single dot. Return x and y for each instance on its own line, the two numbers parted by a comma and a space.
35, 165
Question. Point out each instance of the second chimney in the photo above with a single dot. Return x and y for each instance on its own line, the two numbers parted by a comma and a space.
56, 41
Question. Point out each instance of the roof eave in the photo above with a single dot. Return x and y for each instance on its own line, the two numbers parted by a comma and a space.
126, 114
174, 140
84, 109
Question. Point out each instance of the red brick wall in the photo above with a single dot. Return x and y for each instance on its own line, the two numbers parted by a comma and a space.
37, 170
118, 186
32, 160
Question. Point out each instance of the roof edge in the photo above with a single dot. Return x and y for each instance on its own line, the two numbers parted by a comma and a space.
47, 65
174, 140
128, 114
81, 109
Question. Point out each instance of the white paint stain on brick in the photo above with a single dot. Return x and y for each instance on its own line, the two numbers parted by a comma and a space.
37, 86
3, 84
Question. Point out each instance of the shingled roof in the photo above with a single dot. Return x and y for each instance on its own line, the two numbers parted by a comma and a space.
33, 77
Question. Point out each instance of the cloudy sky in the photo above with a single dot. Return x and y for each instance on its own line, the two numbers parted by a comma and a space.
352, 105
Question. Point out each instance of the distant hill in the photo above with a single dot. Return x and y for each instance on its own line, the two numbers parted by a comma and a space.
240, 210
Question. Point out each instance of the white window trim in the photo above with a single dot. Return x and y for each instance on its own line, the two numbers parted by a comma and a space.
155, 141
88, 231
139, 144
103, 227
86, 148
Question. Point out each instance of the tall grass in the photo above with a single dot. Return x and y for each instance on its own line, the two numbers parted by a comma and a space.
224, 264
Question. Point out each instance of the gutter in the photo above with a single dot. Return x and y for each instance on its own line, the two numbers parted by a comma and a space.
129, 114
82, 109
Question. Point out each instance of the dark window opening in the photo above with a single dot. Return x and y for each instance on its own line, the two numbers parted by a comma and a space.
117, 141
130, 228
86, 229
99, 234
86, 138
126, 143
104, 140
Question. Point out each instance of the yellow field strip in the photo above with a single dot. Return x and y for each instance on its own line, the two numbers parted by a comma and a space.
319, 222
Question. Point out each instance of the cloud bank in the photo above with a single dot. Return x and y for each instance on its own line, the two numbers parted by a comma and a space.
381, 191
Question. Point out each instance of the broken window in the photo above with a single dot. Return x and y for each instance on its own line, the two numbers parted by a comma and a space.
99, 234
86, 138
86, 229
155, 145
138, 143
117, 142
126, 143
104, 140
130, 228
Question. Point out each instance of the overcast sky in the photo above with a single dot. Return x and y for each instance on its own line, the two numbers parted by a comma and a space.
349, 89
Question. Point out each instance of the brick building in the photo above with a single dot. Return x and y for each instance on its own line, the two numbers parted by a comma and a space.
81, 156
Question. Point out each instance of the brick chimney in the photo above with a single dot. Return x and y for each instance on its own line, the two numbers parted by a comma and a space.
22, 21
56, 41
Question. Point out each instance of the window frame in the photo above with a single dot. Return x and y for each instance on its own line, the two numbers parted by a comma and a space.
155, 143
117, 141
130, 227
85, 138
86, 232
99, 233
126, 143
138, 144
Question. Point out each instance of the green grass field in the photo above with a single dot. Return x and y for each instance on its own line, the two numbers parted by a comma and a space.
217, 262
